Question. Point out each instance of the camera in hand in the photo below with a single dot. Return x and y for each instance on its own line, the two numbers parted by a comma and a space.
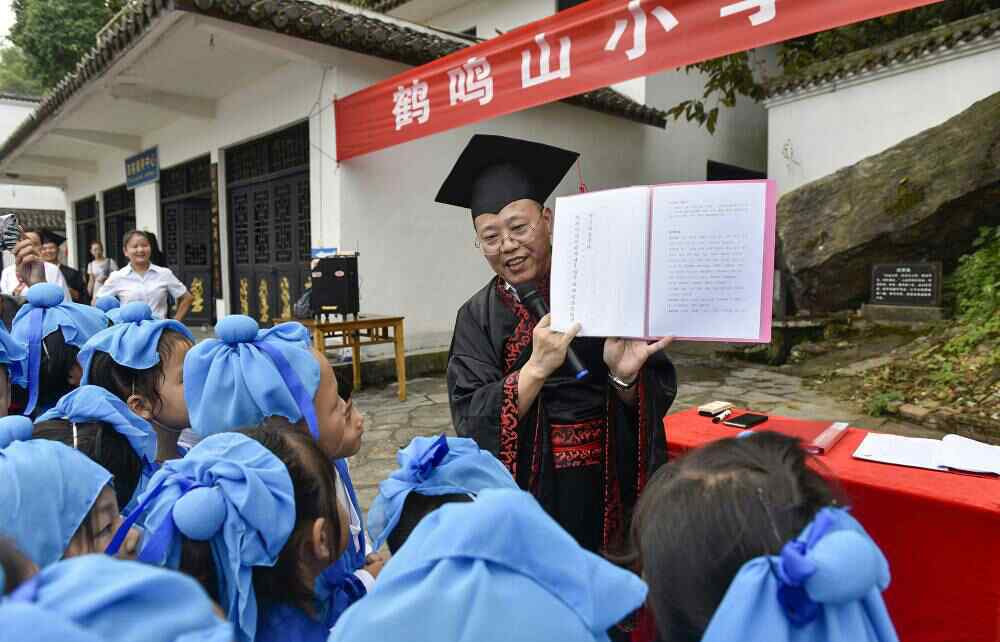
10, 231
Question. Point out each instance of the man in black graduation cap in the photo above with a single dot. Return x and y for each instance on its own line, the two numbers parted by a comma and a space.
584, 448
74, 278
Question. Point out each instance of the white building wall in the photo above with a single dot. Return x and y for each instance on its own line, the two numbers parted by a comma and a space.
31, 197
487, 16
682, 151
816, 135
418, 258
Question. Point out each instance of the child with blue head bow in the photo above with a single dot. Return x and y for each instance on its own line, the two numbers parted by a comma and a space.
296, 604
742, 540
53, 331
433, 471
54, 501
140, 360
246, 376
13, 368
98, 424
224, 508
498, 569
117, 601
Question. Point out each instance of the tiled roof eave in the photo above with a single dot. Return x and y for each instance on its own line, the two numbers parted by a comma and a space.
912, 50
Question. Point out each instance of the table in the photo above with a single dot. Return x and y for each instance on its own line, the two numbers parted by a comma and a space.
366, 330
940, 531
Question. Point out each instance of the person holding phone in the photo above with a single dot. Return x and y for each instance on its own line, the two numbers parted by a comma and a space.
28, 267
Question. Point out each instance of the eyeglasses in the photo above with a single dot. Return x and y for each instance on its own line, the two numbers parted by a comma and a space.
520, 234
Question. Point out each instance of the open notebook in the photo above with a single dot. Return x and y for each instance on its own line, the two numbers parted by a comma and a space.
690, 260
953, 452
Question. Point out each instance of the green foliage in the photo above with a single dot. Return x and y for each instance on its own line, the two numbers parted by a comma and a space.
14, 75
55, 34
878, 405
731, 76
976, 282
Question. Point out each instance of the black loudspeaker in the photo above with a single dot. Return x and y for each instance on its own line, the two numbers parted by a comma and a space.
335, 285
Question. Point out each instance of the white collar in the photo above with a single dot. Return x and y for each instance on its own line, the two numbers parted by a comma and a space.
152, 268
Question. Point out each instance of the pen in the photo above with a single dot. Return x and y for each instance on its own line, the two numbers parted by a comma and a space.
721, 416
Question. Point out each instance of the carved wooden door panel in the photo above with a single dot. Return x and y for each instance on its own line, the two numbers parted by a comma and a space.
269, 225
187, 245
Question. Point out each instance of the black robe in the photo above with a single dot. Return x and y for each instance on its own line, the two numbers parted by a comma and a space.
583, 453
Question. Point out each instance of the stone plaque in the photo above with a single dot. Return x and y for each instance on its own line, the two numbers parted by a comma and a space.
906, 284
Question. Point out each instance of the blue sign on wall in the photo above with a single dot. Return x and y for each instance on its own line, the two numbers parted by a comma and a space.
142, 168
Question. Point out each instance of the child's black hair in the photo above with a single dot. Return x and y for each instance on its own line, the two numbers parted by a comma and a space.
58, 358
415, 508
17, 568
123, 381
706, 514
315, 482
102, 444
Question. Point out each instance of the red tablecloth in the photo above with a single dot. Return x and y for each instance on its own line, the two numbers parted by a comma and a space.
940, 532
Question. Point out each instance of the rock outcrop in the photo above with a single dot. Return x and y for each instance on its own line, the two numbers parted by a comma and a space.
923, 199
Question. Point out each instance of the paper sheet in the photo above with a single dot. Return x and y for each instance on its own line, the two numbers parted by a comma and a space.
706, 259
902, 451
962, 453
598, 265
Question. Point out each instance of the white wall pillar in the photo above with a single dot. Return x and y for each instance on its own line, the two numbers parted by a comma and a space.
222, 305
101, 233
147, 209
70, 219
324, 178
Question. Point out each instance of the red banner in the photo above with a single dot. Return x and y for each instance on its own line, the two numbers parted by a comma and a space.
593, 45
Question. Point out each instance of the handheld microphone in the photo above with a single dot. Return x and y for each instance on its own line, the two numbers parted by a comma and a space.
532, 300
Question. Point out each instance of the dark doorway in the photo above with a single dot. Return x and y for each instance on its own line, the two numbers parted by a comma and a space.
269, 227
87, 230
119, 218
722, 172
186, 202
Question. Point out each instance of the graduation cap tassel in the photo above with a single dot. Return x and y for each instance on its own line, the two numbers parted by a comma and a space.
579, 172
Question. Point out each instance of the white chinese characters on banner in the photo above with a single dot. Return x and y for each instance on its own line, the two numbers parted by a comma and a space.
663, 16
545, 71
411, 103
471, 81
765, 10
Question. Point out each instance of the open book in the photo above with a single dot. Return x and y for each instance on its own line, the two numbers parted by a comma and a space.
952, 452
690, 260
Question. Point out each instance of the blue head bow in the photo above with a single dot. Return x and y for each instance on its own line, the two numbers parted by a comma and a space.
24, 621
434, 466
45, 312
93, 403
107, 303
14, 428
825, 585
14, 355
232, 492
46, 491
248, 374
132, 342
125, 601
498, 550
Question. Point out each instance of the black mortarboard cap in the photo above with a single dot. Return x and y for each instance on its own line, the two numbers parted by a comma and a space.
48, 236
494, 171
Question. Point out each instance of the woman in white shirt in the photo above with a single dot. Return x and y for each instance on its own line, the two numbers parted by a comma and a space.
141, 280
99, 269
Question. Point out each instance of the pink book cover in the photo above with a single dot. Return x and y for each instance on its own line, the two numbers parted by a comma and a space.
767, 275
